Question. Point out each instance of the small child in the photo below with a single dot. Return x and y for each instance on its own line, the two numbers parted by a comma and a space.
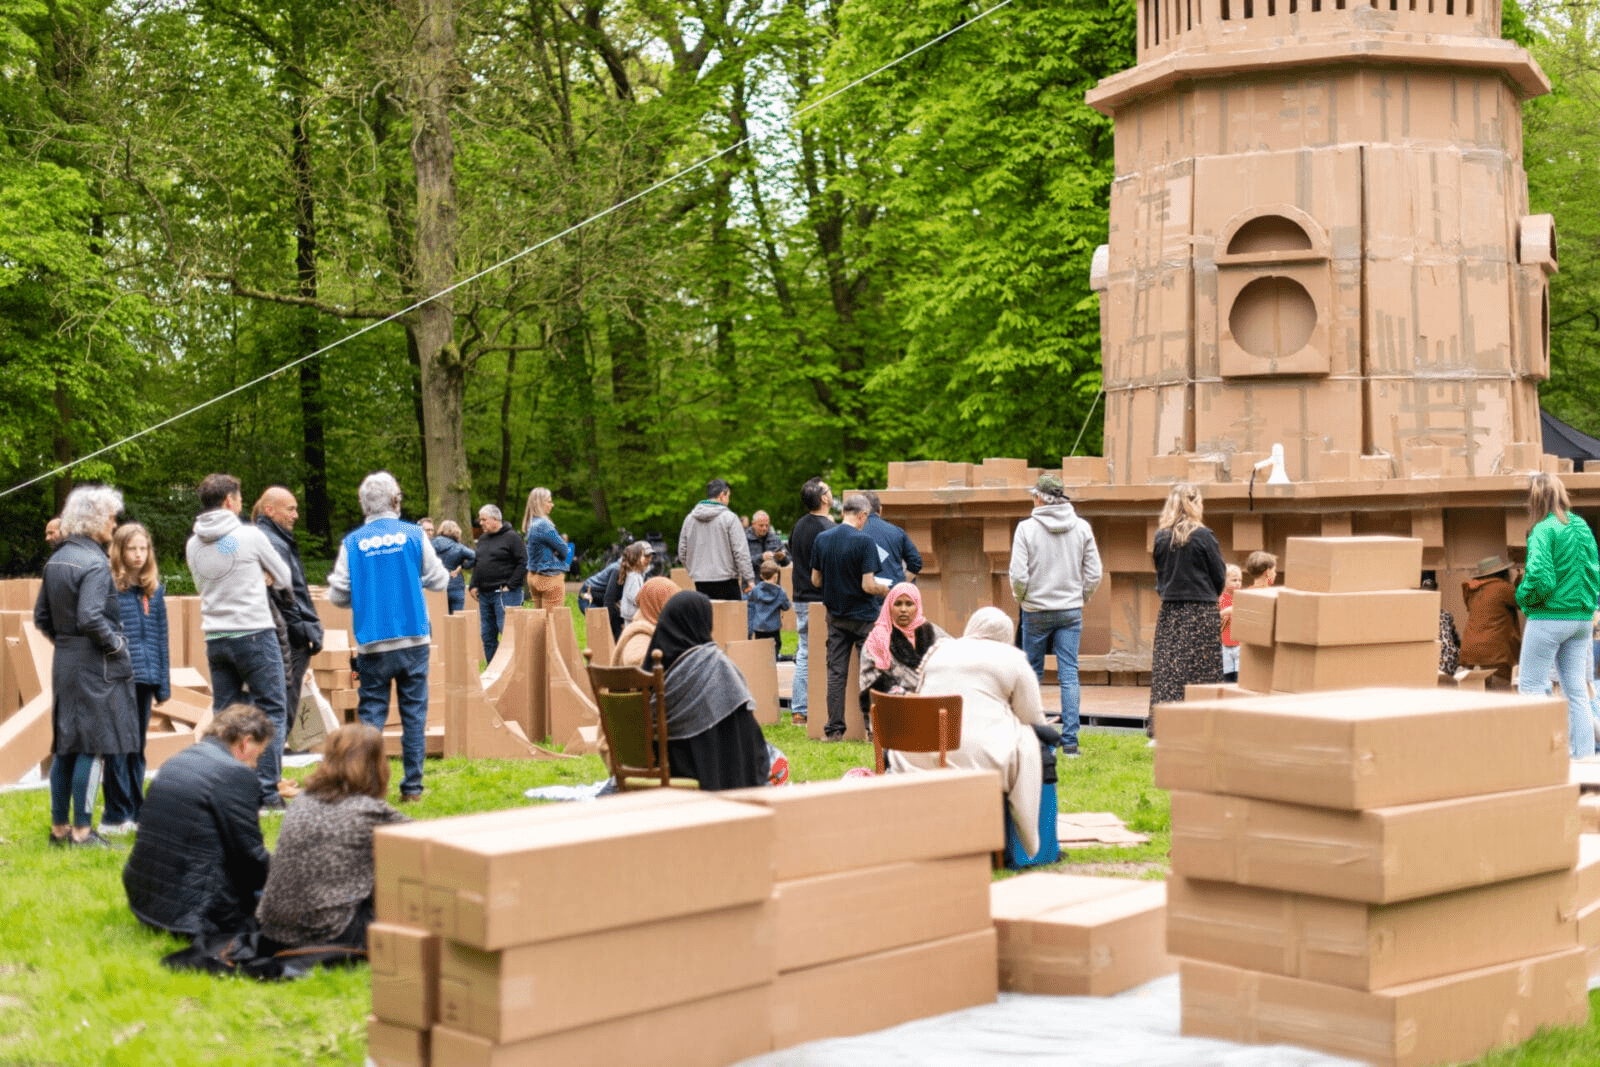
142, 604
765, 607
1230, 647
1261, 569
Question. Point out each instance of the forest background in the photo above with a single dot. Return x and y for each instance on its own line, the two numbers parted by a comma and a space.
194, 193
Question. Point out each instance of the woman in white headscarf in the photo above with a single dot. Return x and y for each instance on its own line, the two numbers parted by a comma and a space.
1000, 708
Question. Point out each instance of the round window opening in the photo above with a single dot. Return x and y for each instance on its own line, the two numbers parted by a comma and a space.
1272, 317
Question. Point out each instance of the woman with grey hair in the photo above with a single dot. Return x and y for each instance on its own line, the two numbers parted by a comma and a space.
456, 557
95, 712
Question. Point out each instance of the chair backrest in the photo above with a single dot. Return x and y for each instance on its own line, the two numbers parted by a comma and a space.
633, 715
915, 723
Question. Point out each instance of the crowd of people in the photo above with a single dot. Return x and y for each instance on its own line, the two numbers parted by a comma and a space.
199, 866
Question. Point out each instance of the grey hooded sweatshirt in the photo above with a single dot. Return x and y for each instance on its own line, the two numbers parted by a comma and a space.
1055, 565
227, 558
712, 545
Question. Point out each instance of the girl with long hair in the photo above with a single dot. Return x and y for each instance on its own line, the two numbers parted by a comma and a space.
636, 561
142, 602
1190, 577
547, 552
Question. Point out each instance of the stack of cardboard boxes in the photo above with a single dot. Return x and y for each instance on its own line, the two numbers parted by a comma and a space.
680, 928
330, 669
1068, 935
1350, 613
1386, 874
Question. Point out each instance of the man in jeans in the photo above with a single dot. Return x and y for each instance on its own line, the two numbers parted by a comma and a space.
380, 574
498, 579
843, 562
1055, 569
231, 563
818, 499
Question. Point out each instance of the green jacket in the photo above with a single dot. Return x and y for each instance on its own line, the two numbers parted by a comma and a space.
1563, 576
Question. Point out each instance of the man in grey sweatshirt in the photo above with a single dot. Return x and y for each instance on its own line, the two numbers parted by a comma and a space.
1055, 569
231, 562
713, 548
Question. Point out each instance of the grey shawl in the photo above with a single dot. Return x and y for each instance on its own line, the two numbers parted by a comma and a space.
703, 688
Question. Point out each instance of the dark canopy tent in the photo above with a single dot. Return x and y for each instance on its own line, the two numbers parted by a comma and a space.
1563, 440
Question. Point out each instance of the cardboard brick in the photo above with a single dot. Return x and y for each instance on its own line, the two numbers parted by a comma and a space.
1363, 748
1111, 938
713, 1032
885, 989
854, 913
1255, 668
558, 877
1378, 856
405, 974
390, 1045
1442, 1020
1588, 927
401, 853
1373, 618
1586, 875
1589, 812
1312, 668
759, 667
1254, 613
529, 991
1352, 564
850, 823
1369, 946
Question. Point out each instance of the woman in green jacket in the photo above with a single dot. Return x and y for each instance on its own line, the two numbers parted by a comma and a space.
1558, 594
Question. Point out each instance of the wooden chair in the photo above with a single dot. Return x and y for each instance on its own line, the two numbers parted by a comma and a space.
633, 716
913, 723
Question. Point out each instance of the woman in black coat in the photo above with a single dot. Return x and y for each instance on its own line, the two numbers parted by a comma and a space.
95, 712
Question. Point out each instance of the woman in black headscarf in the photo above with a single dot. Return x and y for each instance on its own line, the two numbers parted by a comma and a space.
712, 734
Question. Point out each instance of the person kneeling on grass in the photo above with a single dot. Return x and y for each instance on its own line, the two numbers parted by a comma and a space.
199, 861
320, 888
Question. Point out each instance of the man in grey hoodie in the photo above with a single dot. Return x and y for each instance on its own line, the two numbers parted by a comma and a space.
231, 562
713, 547
1055, 569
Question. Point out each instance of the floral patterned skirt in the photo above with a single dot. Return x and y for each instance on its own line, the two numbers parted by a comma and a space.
1188, 649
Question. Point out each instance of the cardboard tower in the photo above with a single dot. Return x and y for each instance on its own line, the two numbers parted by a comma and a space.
1319, 239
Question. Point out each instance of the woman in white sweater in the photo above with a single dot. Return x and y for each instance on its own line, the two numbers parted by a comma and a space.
999, 709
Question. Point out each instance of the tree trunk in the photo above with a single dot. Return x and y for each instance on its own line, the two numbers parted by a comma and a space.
432, 63
319, 511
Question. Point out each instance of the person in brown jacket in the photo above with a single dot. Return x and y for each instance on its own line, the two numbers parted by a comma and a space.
1493, 635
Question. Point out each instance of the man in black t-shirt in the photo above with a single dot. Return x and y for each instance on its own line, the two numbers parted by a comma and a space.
843, 563
817, 498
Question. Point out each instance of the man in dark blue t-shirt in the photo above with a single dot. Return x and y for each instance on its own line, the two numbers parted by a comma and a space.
843, 564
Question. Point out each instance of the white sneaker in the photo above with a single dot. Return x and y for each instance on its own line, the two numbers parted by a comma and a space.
119, 827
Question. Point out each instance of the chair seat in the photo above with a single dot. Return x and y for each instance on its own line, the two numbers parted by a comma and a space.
652, 783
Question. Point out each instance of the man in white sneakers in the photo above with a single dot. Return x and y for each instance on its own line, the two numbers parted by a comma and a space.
1055, 569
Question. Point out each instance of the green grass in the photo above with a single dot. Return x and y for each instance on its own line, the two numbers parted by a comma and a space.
81, 982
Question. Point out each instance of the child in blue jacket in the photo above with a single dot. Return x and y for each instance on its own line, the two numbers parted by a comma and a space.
142, 599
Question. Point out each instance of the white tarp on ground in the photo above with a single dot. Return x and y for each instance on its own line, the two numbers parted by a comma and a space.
1136, 1029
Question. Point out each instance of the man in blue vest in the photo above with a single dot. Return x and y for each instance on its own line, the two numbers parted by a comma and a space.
380, 574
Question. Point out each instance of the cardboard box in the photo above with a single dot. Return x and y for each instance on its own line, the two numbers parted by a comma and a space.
1221, 691
855, 913
405, 974
1255, 668
400, 853
1378, 856
1309, 668
1442, 1020
1588, 927
389, 1045
850, 823
1589, 812
1364, 748
885, 989
1254, 615
1352, 564
1376, 618
1369, 946
1112, 937
531, 990
559, 877
1586, 875
713, 1032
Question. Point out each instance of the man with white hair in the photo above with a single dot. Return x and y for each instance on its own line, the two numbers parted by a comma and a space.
228, 559
764, 543
498, 578
380, 574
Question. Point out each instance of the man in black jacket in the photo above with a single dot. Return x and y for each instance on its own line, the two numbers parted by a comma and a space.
199, 861
499, 578
275, 515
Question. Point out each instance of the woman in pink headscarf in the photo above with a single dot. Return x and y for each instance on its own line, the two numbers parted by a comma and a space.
892, 657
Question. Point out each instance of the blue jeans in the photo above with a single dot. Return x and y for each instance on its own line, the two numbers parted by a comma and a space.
802, 656
253, 662
408, 668
69, 781
1058, 632
456, 595
492, 618
1564, 644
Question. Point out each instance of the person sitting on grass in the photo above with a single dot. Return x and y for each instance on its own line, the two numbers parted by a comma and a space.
712, 735
319, 891
199, 860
